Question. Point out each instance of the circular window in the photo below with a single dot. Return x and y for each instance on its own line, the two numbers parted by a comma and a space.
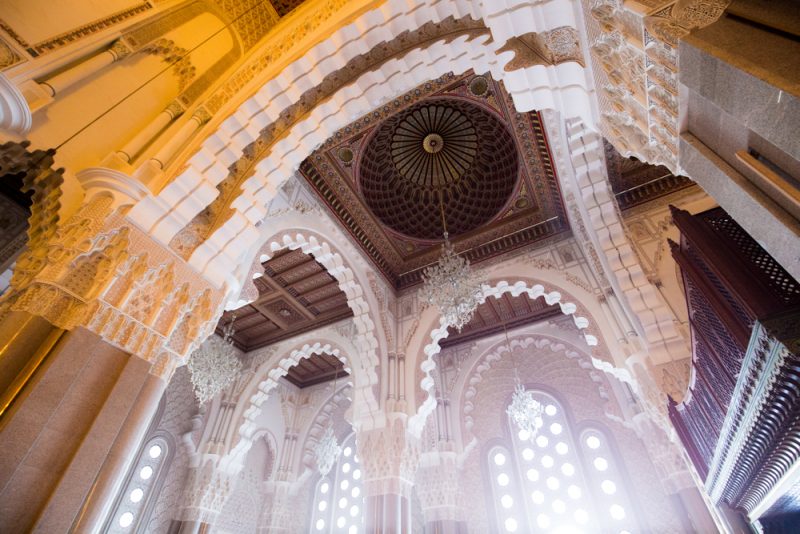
146, 472
155, 451
511, 524
125, 520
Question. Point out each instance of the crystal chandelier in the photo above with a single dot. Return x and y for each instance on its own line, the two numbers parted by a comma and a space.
327, 451
214, 365
451, 285
525, 411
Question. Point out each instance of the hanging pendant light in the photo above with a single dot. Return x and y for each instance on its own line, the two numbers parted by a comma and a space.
214, 365
451, 285
525, 411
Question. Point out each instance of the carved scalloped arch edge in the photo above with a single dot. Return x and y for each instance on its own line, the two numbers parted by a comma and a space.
417, 422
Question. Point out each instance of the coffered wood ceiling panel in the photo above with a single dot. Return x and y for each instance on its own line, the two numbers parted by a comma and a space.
506, 312
459, 135
296, 294
316, 369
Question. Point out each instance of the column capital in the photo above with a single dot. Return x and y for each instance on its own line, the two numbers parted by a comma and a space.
208, 487
202, 115
389, 458
438, 486
120, 50
99, 271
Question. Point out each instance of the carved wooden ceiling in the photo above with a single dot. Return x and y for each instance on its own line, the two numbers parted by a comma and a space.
382, 174
296, 294
492, 315
315, 369
635, 183
284, 7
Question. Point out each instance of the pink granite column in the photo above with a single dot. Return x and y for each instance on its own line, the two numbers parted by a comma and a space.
387, 513
122, 454
59, 433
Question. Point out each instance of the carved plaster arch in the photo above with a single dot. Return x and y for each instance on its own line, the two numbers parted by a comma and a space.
467, 388
257, 393
364, 358
272, 449
532, 87
317, 426
417, 422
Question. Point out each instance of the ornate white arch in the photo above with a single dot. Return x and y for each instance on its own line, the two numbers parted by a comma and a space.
364, 358
534, 290
316, 428
536, 87
466, 387
277, 362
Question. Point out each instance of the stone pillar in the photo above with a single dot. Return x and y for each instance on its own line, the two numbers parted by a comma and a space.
149, 133
110, 479
25, 342
92, 65
389, 458
57, 439
696, 510
437, 485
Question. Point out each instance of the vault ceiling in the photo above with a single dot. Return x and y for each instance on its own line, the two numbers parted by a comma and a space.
381, 175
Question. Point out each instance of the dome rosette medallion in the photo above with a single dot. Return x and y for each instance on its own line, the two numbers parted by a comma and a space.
453, 147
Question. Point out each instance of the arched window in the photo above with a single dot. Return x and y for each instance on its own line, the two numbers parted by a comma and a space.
338, 497
136, 499
560, 481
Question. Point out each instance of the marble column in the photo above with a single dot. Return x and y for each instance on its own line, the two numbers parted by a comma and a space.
91, 65
25, 342
388, 512
111, 477
165, 154
149, 133
58, 435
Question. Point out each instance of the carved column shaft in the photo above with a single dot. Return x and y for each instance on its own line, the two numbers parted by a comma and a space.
149, 133
59, 441
92, 65
165, 154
